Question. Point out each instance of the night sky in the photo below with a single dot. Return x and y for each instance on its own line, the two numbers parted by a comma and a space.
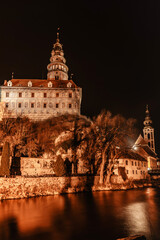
111, 47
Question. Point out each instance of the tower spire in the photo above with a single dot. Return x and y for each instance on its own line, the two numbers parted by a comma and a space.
148, 130
57, 68
58, 34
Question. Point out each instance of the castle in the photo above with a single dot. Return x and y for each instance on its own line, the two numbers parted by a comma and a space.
39, 99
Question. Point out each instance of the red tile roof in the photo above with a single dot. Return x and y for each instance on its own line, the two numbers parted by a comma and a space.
42, 83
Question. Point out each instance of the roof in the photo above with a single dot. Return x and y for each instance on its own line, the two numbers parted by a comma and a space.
143, 148
131, 154
41, 83
140, 140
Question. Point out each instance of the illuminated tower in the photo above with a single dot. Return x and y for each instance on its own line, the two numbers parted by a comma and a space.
148, 130
57, 69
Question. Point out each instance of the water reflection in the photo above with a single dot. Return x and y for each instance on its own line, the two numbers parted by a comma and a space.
82, 216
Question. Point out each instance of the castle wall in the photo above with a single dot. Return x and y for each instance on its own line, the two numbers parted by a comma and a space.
36, 166
39, 103
23, 187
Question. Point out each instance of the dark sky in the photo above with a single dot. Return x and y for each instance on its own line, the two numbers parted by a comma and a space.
112, 47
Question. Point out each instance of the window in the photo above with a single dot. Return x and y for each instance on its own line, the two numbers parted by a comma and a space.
141, 172
20, 94
142, 164
7, 105
32, 94
29, 84
135, 163
136, 171
9, 84
56, 77
7, 94
32, 105
127, 171
70, 105
132, 163
57, 105
26, 105
70, 95
57, 94
126, 162
45, 105
19, 105
45, 95
138, 163
133, 171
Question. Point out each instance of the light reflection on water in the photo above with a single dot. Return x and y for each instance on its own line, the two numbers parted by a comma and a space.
82, 216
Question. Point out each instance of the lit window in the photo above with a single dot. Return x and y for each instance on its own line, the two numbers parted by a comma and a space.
32, 94
45, 95
70, 105
7, 94
19, 105
57, 94
70, 95
45, 105
32, 105
57, 105
20, 94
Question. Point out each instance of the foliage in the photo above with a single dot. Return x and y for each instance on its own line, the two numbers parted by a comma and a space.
4, 168
59, 167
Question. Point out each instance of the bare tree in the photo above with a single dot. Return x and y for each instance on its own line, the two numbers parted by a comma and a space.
112, 134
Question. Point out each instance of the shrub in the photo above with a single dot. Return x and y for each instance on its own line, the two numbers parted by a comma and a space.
4, 168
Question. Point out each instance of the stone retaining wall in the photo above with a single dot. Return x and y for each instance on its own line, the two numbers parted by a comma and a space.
24, 187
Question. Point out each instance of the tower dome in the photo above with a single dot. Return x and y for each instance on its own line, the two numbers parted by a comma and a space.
57, 68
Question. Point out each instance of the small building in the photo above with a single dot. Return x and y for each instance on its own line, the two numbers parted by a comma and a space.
130, 165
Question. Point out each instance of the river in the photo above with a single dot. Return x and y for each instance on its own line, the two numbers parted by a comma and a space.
98, 215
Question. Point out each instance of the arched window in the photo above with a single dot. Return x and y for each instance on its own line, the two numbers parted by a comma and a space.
148, 135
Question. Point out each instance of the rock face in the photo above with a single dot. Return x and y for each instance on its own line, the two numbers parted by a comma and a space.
136, 237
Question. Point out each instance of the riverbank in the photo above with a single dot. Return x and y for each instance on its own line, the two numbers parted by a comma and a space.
27, 187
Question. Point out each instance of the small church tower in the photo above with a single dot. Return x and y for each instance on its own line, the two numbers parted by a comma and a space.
148, 130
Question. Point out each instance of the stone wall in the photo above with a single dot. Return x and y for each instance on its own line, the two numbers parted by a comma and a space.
36, 166
24, 187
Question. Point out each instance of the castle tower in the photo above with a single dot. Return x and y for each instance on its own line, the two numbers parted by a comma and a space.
148, 130
57, 69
